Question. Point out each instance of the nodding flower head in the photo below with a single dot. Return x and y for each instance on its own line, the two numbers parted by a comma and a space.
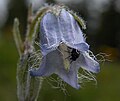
63, 47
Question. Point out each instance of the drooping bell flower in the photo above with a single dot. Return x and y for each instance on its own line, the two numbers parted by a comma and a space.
64, 48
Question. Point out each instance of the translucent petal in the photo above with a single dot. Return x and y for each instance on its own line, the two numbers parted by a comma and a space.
69, 76
71, 32
88, 63
50, 63
53, 63
49, 33
62, 28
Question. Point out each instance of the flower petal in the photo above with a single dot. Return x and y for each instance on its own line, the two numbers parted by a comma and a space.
88, 63
53, 63
69, 76
49, 33
49, 64
71, 32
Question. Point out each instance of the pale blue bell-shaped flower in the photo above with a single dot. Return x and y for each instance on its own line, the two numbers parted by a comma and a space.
61, 29
57, 30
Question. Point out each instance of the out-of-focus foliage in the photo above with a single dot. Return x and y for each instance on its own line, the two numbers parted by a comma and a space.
108, 34
103, 33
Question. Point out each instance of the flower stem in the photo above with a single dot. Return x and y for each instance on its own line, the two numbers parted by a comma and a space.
28, 87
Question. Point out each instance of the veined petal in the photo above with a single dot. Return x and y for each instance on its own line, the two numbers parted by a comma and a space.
71, 32
50, 63
88, 63
53, 63
49, 33
69, 76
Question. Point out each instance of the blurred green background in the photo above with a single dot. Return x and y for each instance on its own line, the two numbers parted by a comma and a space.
103, 34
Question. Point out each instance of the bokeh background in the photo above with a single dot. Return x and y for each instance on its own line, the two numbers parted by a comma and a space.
103, 34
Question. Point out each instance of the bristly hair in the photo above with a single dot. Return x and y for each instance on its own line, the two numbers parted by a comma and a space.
57, 83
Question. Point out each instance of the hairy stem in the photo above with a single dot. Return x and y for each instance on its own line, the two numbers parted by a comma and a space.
28, 87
